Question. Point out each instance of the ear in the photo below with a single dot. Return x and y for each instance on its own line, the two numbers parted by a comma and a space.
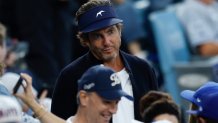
83, 97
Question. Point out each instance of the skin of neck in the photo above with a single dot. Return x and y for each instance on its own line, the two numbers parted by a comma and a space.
116, 64
81, 116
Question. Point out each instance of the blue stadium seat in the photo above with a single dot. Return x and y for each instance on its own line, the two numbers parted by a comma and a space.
175, 57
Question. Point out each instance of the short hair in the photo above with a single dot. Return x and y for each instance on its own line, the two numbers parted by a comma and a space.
155, 103
91, 4
161, 107
151, 97
77, 98
83, 37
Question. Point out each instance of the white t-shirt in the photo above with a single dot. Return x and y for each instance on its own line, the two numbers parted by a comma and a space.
125, 112
69, 120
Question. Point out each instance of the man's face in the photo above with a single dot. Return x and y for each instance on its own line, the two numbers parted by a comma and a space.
100, 110
105, 43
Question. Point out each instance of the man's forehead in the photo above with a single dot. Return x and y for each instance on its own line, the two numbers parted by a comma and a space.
104, 29
97, 96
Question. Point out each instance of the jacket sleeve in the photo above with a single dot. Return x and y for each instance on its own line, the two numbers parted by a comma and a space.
64, 102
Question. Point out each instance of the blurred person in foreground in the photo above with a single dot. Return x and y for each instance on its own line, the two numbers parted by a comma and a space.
99, 91
159, 107
10, 110
204, 103
3, 89
2, 47
100, 31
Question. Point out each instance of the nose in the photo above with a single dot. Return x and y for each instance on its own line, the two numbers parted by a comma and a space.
106, 40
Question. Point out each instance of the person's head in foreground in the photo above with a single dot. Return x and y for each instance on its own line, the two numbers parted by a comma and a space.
205, 103
99, 91
158, 107
10, 110
99, 29
2, 47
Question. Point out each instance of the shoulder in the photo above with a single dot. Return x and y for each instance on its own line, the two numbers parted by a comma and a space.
79, 66
4, 90
76, 65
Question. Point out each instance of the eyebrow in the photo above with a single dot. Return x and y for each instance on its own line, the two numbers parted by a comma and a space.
106, 28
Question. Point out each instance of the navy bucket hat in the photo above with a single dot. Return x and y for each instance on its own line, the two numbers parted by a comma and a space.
97, 18
104, 81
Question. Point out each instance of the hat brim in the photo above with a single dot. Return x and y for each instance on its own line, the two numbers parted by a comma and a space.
188, 95
101, 24
114, 95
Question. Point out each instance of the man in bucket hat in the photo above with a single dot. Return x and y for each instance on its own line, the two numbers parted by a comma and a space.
100, 31
204, 101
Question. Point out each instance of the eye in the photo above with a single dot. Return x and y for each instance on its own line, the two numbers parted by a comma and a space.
110, 102
106, 102
95, 36
111, 31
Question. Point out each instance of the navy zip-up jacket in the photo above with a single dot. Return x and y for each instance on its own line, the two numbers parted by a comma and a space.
64, 102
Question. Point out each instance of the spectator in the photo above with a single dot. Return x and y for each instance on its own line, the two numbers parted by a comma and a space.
159, 107
10, 110
204, 103
97, 100
3, 89
100, 31
25, 118
199, 18
2, 42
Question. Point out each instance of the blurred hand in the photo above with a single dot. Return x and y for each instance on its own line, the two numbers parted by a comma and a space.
28, 96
